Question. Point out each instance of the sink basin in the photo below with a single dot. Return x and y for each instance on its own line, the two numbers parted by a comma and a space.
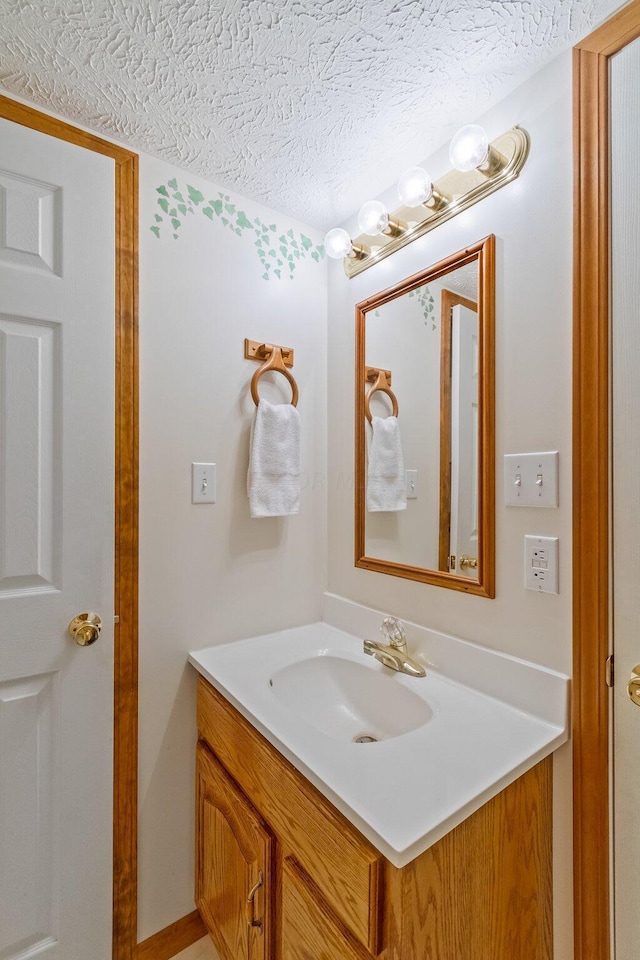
349, 701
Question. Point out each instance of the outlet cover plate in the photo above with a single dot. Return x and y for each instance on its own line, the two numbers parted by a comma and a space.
541, 564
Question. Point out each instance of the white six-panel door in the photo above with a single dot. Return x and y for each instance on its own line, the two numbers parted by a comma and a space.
56, 546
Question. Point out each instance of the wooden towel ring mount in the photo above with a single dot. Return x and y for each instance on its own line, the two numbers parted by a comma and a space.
276, 358
381, 380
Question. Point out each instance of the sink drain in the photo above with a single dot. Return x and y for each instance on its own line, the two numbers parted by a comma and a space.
365, 738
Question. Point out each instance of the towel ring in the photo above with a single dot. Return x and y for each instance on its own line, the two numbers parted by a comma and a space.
274, 362
380, 386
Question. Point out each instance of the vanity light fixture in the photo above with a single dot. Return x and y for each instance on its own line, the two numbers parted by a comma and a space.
374, 220
479, 169
470, 150
415, 188
338, 244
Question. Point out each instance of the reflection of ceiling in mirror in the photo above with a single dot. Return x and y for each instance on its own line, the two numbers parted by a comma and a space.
463, 281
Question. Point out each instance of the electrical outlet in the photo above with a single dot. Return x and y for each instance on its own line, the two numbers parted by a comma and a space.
541, 564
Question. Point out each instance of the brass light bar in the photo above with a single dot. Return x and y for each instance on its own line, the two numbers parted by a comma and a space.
453, 193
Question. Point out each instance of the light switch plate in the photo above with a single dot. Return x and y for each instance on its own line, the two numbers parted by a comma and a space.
541, 564
412, 484
531, 479
203, 483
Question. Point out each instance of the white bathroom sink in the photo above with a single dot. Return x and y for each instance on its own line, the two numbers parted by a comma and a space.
351, 701
446, 743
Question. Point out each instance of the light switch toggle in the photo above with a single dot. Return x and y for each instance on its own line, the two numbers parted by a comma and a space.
203, 483
411, 478
531, 479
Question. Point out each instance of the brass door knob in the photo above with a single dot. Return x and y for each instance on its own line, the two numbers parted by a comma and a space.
633, 687
466, 561
85, 629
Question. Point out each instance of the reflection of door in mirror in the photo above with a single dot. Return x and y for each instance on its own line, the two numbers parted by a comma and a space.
458, 526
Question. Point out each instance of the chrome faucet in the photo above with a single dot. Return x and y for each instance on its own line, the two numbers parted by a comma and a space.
393, 653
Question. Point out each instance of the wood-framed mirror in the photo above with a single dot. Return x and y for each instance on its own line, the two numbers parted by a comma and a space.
425, 425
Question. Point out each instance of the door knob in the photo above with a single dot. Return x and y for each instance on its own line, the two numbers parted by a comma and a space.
85, 629
469, 562
633, 687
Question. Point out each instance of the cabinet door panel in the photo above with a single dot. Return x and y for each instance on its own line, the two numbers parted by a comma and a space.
234, 856
310, 929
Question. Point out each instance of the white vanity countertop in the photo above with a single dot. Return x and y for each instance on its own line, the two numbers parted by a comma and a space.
406, 792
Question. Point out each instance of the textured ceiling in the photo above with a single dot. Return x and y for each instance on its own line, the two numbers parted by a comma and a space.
310, 106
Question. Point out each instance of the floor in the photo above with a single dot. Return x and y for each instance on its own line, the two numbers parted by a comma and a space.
202, 950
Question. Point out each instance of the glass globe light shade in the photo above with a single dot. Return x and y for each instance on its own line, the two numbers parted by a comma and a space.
373, 218
414, 187
469, 148
337, 243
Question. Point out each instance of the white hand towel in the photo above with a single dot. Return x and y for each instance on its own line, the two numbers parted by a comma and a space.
386, 486
273, 481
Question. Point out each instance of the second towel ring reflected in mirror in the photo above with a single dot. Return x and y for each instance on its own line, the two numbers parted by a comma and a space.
433, 514
381, 380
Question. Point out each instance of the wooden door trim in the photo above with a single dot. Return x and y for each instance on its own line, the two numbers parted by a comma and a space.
448, 300
591, 493
126, 513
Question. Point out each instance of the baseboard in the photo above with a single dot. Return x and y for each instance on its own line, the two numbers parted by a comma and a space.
176, 937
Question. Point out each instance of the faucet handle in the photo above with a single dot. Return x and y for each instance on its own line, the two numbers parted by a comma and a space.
393, 632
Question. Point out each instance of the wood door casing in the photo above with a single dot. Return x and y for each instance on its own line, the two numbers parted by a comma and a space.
234, 848
591, 493
449, 299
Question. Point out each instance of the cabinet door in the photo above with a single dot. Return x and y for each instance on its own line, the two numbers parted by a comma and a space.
234, 863
310, 929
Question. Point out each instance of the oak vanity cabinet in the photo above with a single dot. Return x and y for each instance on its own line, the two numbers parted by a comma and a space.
282, 875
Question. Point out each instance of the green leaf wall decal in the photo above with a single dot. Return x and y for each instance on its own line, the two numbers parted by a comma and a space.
194, 195
292, 247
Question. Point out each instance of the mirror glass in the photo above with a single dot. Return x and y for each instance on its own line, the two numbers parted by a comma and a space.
425, 425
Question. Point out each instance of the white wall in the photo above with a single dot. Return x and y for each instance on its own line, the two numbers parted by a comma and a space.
532, 221
208, 573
